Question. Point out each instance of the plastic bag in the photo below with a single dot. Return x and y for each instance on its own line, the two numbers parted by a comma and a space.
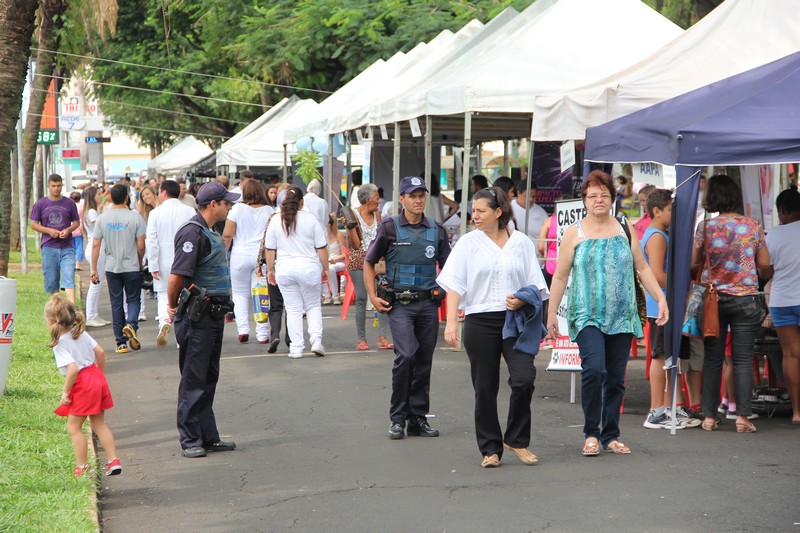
260, 303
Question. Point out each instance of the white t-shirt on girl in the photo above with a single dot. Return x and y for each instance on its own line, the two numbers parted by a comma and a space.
484, 274
79, 351
307, 237
250, 225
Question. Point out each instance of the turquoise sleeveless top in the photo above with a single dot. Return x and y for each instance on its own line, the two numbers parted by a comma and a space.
602, 292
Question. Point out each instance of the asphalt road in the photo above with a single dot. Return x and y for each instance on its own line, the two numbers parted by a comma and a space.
313, 453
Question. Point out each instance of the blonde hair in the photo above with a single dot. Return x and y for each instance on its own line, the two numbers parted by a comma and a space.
62, 314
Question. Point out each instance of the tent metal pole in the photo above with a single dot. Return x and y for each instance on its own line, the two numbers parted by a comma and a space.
530, 177
506, 162
465, 169
285, 164
349, 163
396, 169
428, 163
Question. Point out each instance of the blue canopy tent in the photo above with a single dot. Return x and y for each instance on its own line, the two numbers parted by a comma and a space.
752, 118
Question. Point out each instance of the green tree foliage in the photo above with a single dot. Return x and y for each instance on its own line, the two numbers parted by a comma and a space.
313, 44
274, 48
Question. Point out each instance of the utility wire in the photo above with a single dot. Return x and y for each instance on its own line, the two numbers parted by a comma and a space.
157, 91
130, 126
180, 113
185, 72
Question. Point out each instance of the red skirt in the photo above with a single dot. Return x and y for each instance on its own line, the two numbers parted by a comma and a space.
89, 395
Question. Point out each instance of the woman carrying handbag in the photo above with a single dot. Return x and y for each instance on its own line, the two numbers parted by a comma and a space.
735, 252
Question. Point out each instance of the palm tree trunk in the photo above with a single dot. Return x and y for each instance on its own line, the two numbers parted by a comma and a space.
51, 20
17, 21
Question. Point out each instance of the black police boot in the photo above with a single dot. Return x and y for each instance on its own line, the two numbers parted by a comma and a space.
418, 427
397, 430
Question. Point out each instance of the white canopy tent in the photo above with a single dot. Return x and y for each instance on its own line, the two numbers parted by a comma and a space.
260, 144
181, 155
554, 43
737, 36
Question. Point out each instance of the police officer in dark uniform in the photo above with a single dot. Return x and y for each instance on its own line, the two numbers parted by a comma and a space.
413, 245
199, 296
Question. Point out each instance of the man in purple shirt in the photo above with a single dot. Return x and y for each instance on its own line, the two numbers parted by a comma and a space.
56, 217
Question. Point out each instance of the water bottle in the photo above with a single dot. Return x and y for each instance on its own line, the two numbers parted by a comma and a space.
375, 320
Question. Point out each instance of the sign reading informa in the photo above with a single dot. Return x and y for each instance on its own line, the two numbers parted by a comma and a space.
565, 357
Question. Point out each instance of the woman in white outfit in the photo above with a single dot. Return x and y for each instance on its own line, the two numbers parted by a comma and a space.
92, 205
245, 228
148, 201
299, 241
336, 263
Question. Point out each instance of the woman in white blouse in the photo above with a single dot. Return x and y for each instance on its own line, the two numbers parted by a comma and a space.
244, 229
484, 270
302, 264
92, 206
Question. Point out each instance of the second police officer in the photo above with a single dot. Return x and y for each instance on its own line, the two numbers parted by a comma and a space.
413, 246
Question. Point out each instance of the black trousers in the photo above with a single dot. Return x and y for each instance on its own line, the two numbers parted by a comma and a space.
415, 327
276, 314
198, 359
484, 343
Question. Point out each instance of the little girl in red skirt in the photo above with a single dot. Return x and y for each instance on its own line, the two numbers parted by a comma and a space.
81, 360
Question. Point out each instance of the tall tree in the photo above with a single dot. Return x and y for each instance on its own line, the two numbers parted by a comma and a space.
17, 22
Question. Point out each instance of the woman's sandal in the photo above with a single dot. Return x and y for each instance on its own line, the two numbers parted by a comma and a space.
709, 424
618, 448
745, 427
591, 447
362, 346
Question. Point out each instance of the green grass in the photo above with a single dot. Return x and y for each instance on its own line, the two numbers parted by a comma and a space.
37, 489
34, 254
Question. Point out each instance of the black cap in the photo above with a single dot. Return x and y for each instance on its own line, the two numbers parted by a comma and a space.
410, 184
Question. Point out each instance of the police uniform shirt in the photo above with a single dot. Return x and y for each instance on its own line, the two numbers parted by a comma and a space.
191, 245
386, 238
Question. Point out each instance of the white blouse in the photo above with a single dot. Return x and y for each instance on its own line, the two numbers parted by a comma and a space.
484, 274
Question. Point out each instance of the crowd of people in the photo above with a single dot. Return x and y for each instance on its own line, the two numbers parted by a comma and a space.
207, 248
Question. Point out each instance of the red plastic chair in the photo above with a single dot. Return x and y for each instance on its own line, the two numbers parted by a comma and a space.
349, 294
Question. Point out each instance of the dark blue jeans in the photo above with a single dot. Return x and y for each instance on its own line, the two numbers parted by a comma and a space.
604, 359
744, 315
131, 283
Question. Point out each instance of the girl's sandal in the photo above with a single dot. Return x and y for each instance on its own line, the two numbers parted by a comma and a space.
591, 447
709, 424
618, 448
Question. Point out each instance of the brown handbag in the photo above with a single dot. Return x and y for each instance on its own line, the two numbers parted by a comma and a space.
711, 300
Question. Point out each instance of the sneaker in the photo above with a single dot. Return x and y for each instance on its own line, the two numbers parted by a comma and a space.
161, 340
95, 323
723, 408
264, 341
81, 470
318, 349
273, 346
244, 337
113, 467
295, 355
733, 416
142, 317
122, 348
129, 332
662, 421
688, 420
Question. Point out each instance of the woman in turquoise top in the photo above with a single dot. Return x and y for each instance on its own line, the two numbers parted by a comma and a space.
601, 309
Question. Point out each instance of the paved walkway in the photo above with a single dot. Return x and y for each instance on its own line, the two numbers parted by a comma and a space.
313, 454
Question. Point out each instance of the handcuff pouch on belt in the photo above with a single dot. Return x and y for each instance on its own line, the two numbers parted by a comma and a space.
407, 296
